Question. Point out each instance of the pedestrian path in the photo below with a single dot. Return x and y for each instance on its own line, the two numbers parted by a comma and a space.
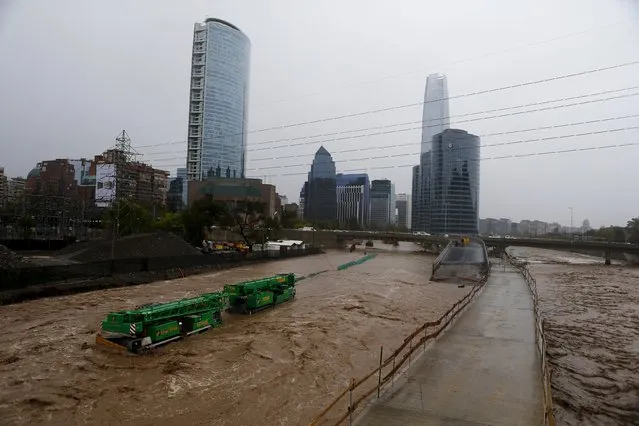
484, 370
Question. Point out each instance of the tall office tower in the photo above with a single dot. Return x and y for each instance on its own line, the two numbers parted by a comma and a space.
403, 211
455, 183
321, 196
436, 113
218, 105
435, 119
382, 205
393, 206
415, 213
353, 200
302, 207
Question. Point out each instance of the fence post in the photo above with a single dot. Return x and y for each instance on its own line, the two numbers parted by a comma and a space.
410, 351
393, 375
379, 376
350, 402
425, 335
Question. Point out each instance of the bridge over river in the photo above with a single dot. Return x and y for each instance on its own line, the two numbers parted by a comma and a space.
341, 238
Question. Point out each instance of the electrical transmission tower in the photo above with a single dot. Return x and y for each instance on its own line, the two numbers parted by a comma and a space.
122, 155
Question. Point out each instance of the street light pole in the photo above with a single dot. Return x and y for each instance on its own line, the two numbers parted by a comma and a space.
446, 218
571, 231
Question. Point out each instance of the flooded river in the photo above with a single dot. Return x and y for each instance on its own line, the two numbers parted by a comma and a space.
592, 328
278, 367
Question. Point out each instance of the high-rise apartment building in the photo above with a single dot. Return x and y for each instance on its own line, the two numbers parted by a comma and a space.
16, 189
435, 119
382, 203
321, 196
353, 200
218, 105
403, 211
454, 203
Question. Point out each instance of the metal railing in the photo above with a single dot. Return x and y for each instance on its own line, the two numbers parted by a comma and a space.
522, 267
355, 396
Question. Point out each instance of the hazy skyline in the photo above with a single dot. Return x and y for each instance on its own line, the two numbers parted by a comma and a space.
74, 74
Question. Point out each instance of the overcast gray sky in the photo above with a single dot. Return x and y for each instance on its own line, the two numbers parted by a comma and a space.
74, 73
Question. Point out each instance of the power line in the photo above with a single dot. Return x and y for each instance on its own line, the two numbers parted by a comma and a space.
412, 154
474, 58
458, 122
503, 157
462, 148
469, 114
392, 146
578, 123
465, 95
420, 121
521, 141
459, 61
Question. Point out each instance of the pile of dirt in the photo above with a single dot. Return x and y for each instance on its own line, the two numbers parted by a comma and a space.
157, 244
10, 259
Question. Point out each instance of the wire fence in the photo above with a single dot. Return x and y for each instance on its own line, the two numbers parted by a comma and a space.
355, 396
522, 267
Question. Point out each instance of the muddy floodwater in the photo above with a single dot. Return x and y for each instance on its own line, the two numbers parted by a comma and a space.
591, 314
278, 367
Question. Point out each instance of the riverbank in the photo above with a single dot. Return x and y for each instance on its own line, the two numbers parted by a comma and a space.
152, 270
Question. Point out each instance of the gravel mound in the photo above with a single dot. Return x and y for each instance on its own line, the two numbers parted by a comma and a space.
157, 244
9, 259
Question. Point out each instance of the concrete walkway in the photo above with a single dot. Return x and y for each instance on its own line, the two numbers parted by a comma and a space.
484, 370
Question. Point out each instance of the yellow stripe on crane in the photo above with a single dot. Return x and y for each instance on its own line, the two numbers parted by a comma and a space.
102, 341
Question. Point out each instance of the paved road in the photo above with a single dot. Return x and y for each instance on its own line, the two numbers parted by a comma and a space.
485, 370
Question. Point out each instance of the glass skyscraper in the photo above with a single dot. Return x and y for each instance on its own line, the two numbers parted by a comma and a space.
321, 189
435, 119
454, 203
218, 105
436, 113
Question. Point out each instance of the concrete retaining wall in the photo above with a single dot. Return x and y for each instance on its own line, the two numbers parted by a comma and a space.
48, 289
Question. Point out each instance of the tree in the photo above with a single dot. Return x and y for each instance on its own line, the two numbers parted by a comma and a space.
245, 217
26, 223
171, 222
200, 215
127, 217
288, 219
615, 234
633, 230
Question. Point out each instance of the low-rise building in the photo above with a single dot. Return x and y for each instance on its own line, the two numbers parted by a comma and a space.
234, 191
4, 189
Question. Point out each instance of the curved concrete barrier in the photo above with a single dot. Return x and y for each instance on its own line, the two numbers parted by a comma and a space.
462, 261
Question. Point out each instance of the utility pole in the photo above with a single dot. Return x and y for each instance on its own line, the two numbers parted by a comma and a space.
571, 231
121, 155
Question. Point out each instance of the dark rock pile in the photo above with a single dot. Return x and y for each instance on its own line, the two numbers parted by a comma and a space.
9, 259
156, 244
